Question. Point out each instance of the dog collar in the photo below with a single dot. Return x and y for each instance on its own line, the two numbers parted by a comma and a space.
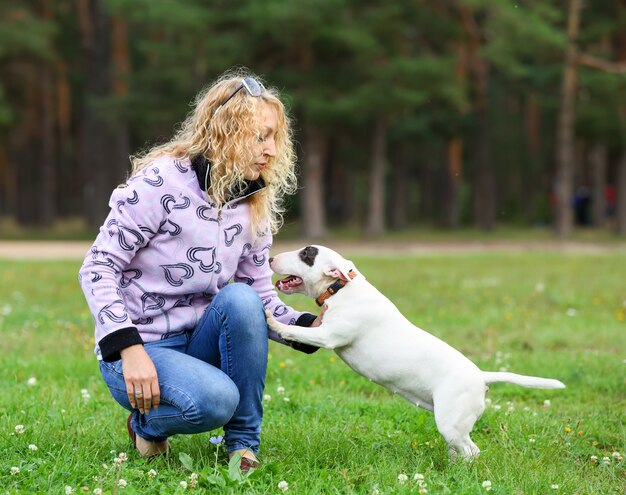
334, 288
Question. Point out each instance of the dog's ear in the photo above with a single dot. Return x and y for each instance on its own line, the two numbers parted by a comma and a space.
339, 268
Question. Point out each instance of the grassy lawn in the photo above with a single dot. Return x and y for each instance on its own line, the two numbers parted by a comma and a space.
326, 429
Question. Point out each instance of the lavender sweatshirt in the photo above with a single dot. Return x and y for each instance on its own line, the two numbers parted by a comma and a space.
164, 252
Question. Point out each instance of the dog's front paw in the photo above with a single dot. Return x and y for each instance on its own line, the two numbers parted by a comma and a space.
272, 323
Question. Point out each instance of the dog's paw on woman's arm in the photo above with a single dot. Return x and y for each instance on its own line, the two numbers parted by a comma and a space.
305, 320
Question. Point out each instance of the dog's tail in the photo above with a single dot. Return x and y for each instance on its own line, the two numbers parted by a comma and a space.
523, 380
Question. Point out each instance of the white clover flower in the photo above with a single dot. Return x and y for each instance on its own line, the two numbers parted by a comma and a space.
606, 460
497, 407
280, 390
105, 467
375, 491
117, 461
487, 401
423, 489
531, 440
539, 287
571, 312
152, 474
267, 397
554, 487
32, 447
14, 470
594, 458
97, 491
526, 408
283, 485
123, 457
193, 480
183, 485
547, 403
32, 381
85, 394
19, 429
7, 309
487, 485
68, 490
418, 476
617, 456
286, 399
402, 478
122, 483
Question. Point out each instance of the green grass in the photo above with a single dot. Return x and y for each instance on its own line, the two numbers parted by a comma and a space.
554, 315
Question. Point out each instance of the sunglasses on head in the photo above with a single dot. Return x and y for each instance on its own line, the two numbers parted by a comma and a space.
251, 85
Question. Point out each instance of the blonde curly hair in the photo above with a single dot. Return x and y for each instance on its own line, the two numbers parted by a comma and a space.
224, 139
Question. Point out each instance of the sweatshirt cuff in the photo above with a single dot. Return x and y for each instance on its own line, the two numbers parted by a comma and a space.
305, 320
111, 344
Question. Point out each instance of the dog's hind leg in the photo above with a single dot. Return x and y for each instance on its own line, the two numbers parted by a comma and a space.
455, 417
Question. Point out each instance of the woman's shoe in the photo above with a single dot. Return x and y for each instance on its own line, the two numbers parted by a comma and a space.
248, 460
145, 447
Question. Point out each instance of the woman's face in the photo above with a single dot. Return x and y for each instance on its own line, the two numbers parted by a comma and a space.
264, 145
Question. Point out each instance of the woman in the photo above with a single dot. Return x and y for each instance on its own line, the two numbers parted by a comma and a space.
179, 346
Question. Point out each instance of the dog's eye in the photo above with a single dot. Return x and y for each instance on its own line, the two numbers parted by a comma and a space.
308, 254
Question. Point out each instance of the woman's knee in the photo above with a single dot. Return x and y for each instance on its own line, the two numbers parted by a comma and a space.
239, 296
242, 309
214, 405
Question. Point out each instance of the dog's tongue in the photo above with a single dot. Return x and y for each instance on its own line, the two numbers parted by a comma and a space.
287, 283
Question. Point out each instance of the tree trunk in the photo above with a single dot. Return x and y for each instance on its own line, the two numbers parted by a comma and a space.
47, 164
484, 192
426, 186
69, 202
25, 149
95, 154
7, 185
375, 225
484, 204
400, 191
620, 213
598, 165
532, 185
313, 212
121, 72
452, 195
563, 187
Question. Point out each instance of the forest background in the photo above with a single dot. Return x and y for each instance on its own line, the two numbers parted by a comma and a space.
450, 113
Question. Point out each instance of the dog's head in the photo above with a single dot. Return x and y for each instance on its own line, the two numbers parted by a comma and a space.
310, 270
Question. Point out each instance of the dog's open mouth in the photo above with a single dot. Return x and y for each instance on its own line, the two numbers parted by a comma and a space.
288, 284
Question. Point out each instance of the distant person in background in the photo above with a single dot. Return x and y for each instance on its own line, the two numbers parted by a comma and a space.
180, 346
610, 199
582, 206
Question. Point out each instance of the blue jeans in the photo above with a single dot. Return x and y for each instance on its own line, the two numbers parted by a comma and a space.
211, 377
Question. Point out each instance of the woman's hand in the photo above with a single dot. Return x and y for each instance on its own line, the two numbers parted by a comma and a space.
318, 321
142, 384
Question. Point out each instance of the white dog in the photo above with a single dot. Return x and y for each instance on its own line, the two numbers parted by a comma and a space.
368, 332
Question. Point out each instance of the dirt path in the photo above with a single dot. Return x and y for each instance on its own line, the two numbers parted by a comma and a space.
76, 250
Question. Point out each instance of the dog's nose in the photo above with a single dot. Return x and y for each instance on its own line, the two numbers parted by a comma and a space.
271, 259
